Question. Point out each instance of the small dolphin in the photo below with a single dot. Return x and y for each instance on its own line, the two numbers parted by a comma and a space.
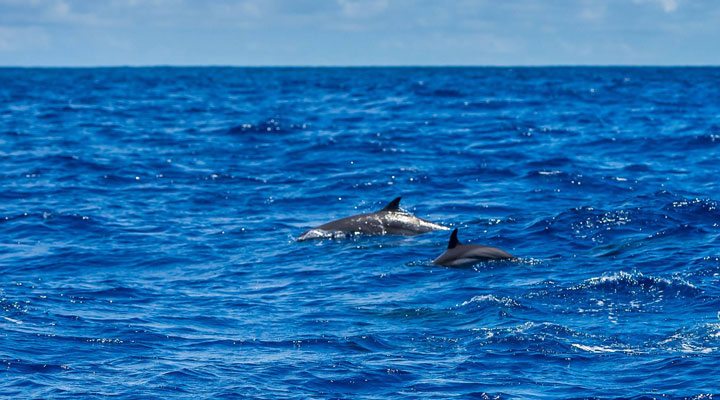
465, 254
391, 220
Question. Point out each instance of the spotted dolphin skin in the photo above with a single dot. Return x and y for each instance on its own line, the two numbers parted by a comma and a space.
391, 220
466, 254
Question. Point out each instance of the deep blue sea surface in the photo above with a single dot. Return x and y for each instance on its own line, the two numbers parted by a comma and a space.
148, 217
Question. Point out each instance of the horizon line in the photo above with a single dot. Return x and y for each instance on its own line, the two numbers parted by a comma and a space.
41, 66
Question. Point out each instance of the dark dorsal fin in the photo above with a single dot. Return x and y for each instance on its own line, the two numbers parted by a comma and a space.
453, 240
393, 205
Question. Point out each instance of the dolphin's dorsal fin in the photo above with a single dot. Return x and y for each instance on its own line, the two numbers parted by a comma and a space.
453, 240
393, 205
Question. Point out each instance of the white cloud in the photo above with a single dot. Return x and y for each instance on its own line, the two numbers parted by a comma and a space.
593, 10
20, 38
362, 9
35, 12
667, 5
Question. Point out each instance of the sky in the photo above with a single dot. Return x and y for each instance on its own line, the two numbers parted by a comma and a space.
359, 32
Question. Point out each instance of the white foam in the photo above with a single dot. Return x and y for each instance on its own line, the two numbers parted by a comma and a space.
554, 172
600, 349
505, 301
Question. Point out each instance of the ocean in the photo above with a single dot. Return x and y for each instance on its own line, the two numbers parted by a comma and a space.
148, 219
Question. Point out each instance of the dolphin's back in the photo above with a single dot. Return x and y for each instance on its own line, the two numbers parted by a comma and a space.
389, 220
485, 252
377, 223
470, 254
403, 223
362, 223
356, 224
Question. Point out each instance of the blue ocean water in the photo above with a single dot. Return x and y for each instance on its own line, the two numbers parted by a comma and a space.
148, 217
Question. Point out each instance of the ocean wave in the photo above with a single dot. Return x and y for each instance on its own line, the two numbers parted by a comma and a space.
685, 209
540, 338
701, 339
274, 125
491, 299
602, 349
33, 367
636, 283
592, 225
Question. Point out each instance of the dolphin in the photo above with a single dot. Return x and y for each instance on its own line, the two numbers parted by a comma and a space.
465, 254
390, 220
